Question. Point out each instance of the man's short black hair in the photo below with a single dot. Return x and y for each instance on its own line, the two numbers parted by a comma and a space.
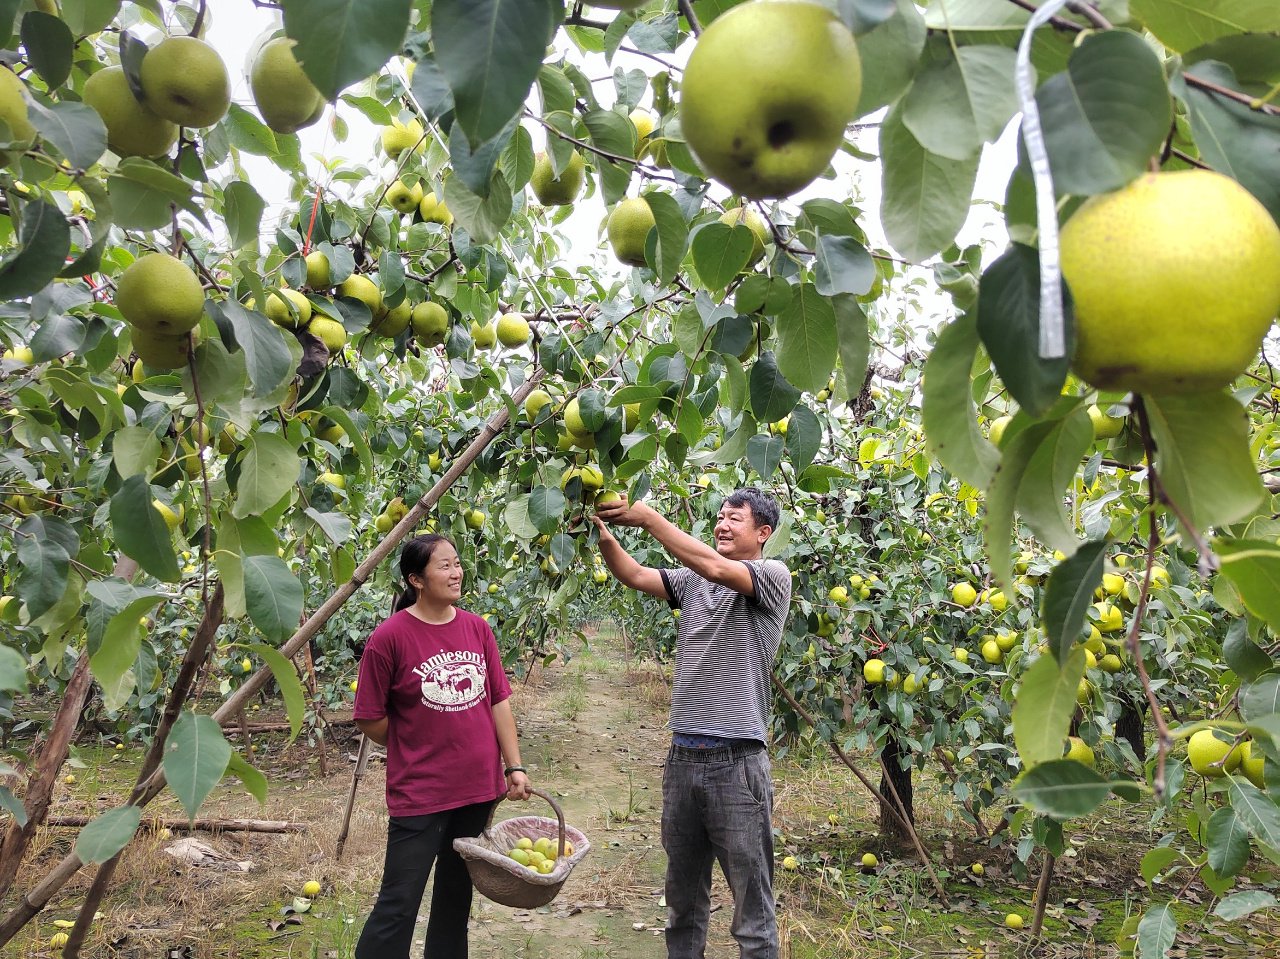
764, 508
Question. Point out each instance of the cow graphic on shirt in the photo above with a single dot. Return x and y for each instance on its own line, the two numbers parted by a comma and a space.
452, 681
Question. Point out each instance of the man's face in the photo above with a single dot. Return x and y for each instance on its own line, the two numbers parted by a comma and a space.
737, 535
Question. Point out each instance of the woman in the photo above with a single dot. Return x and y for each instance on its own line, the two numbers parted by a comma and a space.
432, 690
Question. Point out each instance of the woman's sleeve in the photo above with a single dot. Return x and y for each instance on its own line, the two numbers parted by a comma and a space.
376, 678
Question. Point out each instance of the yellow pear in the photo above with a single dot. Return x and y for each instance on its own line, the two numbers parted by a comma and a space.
562, 190
400, 137
1174, 281
160, 351
132, 128
395, 321
13, 109
360, 287
185, 81
403, 198
288, 308
430, 323
434, 210
319, 276
513, 330
330, 332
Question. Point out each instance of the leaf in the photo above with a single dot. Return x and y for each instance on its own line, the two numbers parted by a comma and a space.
46, 240
336, 527
268, 359
85, 17
926, 197
13, 670
141, 194
1009, 324
431, 89
1049, 475
1044, 706
49, 45
854, 345
113, 660
1156, 932
1244, 903
804, 437
1261, 697
1254, 567
1183, 25
14, 806
45, 554
807, 340
76, 130
516, 518
1228, 843
254, 781
961, 98
101, 839
1068, 595
1257, 812
140, 531
764, 453
861, 16
482, 217
1242, 655
890, 55
1155, 861
842, 265
490, 52
287, 679
672, 234
950, 419
720, 253
1234, 139
341, 42
1002, 496
243, 209
1063, 789
475, 168
546, 508
272, 595
1106, 115
1202, 455
195, 758
269, 469
772, 397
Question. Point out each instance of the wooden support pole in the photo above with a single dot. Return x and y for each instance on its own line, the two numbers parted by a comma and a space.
198, 825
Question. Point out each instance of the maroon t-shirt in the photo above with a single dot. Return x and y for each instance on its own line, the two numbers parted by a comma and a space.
436, 686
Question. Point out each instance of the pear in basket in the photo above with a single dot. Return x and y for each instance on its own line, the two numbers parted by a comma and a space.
520, 855
546, 866
545, 846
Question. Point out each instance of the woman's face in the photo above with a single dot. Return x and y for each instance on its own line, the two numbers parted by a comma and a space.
441, 579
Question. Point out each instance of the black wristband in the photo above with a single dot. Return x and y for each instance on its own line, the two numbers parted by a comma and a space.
513, 769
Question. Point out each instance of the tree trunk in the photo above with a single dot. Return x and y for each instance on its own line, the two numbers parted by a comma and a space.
1130, 726
895, 780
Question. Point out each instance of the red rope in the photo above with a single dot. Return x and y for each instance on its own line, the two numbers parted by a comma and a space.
315, 205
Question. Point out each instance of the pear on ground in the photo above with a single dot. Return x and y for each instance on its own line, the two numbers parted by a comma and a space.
132, 128
284, 94
185, 81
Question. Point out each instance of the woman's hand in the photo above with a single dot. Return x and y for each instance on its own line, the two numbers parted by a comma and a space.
518, 786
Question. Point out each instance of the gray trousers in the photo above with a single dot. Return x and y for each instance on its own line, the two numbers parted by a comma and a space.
717, 804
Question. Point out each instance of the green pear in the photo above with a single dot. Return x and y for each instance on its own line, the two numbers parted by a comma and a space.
400, 137
766, 124
753, 221
430, 323
628, 229
132, 129
13, 109
161, 294
278, 309
186, 81
402, 198
162, 351
433, 210
360, 287
284, 94
485, 336
562, 190
394, 322
319, 276
330, 332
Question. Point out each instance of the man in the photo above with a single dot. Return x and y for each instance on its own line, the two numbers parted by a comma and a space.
717, 797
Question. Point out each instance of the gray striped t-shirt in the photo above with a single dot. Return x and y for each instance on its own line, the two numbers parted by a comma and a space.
725, 645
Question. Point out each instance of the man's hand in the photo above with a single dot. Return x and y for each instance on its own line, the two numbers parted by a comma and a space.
623, 513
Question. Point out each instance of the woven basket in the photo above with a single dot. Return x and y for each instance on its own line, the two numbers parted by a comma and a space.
498, 877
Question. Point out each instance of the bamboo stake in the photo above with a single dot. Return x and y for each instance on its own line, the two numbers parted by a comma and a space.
362, 763
195, 825
58, 876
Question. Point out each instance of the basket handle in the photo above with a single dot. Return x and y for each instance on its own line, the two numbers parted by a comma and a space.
554, 805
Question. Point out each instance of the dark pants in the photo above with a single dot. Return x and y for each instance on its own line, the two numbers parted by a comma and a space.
717, 804
414, 844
